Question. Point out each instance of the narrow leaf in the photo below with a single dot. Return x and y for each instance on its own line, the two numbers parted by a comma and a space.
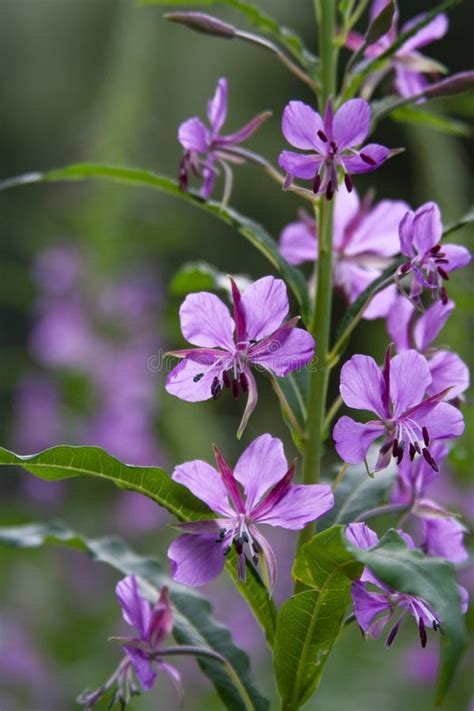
194, 624
381, 24
432, 579
251, 230
429, 119
309, 623
64, 462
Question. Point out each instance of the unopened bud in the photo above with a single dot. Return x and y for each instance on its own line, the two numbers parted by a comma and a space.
200, 22
455, 84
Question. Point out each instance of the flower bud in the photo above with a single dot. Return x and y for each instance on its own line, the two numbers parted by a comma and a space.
200, 22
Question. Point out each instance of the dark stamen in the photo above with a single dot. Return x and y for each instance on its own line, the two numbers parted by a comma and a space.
226, 379
257, 547
428, 457
417, 447
435, 249
226, 550
412, 451
183, 172
367, 159
441, 260
443, 274
235, 388
426, 436
435, 625
222, 533
348, 182
385, 447
392, 634
322, 136
316, 183
405, 268
395, 447
329, 191
443, 295
239, 547
244, 383
333, 145
255, 559
244, 537
401, 452
198, 377
422, 630
216, 388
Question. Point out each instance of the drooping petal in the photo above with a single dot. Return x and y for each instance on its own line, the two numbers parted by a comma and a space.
217, 106
193, 377
260, 467
288, 349
301, 504
377, 232
427, 227
367, 607
353, 439
206, 321
351, 123
205, 483
300, 165
362, 385
298, 243
243, 133
430, 323
444, 536
376, 153
434, 30
208, 177
270, 558
196, 560
252, 399
135, 610
300, 125
448, 370
142, 666
265, 305
173, 673
398, 323
443, 422
409, 378
193, 135
458, 256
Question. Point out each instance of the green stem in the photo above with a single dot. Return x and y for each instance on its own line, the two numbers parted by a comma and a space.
321, 319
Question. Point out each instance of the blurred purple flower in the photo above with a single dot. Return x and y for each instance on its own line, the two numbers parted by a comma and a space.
332, 141
409, 64
217, 149
198, 556
365, 238
407, 420
447, 369
152, 624
374, 610
258, 335
430, 261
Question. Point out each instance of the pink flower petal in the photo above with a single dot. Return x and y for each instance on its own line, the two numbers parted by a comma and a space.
377, 231
260, 467
409, 378
427, 227
206, 321
265, 305
458, 256
448, 370
192, 378
300, 165
287, 350
298, 243
136, 611
300, 125
193, 135
398, 323
204, 481
430, 323
196, 560
362, 385
355, 164
217, 106
434, 30
353, 439
301, 504
351, 123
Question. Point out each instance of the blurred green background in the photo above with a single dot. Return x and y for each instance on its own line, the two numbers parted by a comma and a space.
108, 81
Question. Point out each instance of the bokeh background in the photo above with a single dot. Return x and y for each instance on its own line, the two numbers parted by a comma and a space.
85, 303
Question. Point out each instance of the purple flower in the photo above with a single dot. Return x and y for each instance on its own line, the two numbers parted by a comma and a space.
442, 534
332, 141
152, 625
365, 238
430, 261
216, 149
409, 64
406, 419
447, 369
269, 498
258, 335
373, 610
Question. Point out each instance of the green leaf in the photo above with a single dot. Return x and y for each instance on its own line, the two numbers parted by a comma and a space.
292, 393
381, 24
430, 119
64, 462
357, 493
252, 231
362, 70
286, 37
432, 579
466, 219
193, 623
309, 623
201, 276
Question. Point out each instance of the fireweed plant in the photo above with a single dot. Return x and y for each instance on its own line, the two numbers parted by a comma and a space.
387, 260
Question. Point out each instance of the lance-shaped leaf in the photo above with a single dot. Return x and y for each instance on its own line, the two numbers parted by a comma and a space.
193, 621
64, 462
429, 119
432, 579
309, 623
286, 37
251, 230
381, 24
